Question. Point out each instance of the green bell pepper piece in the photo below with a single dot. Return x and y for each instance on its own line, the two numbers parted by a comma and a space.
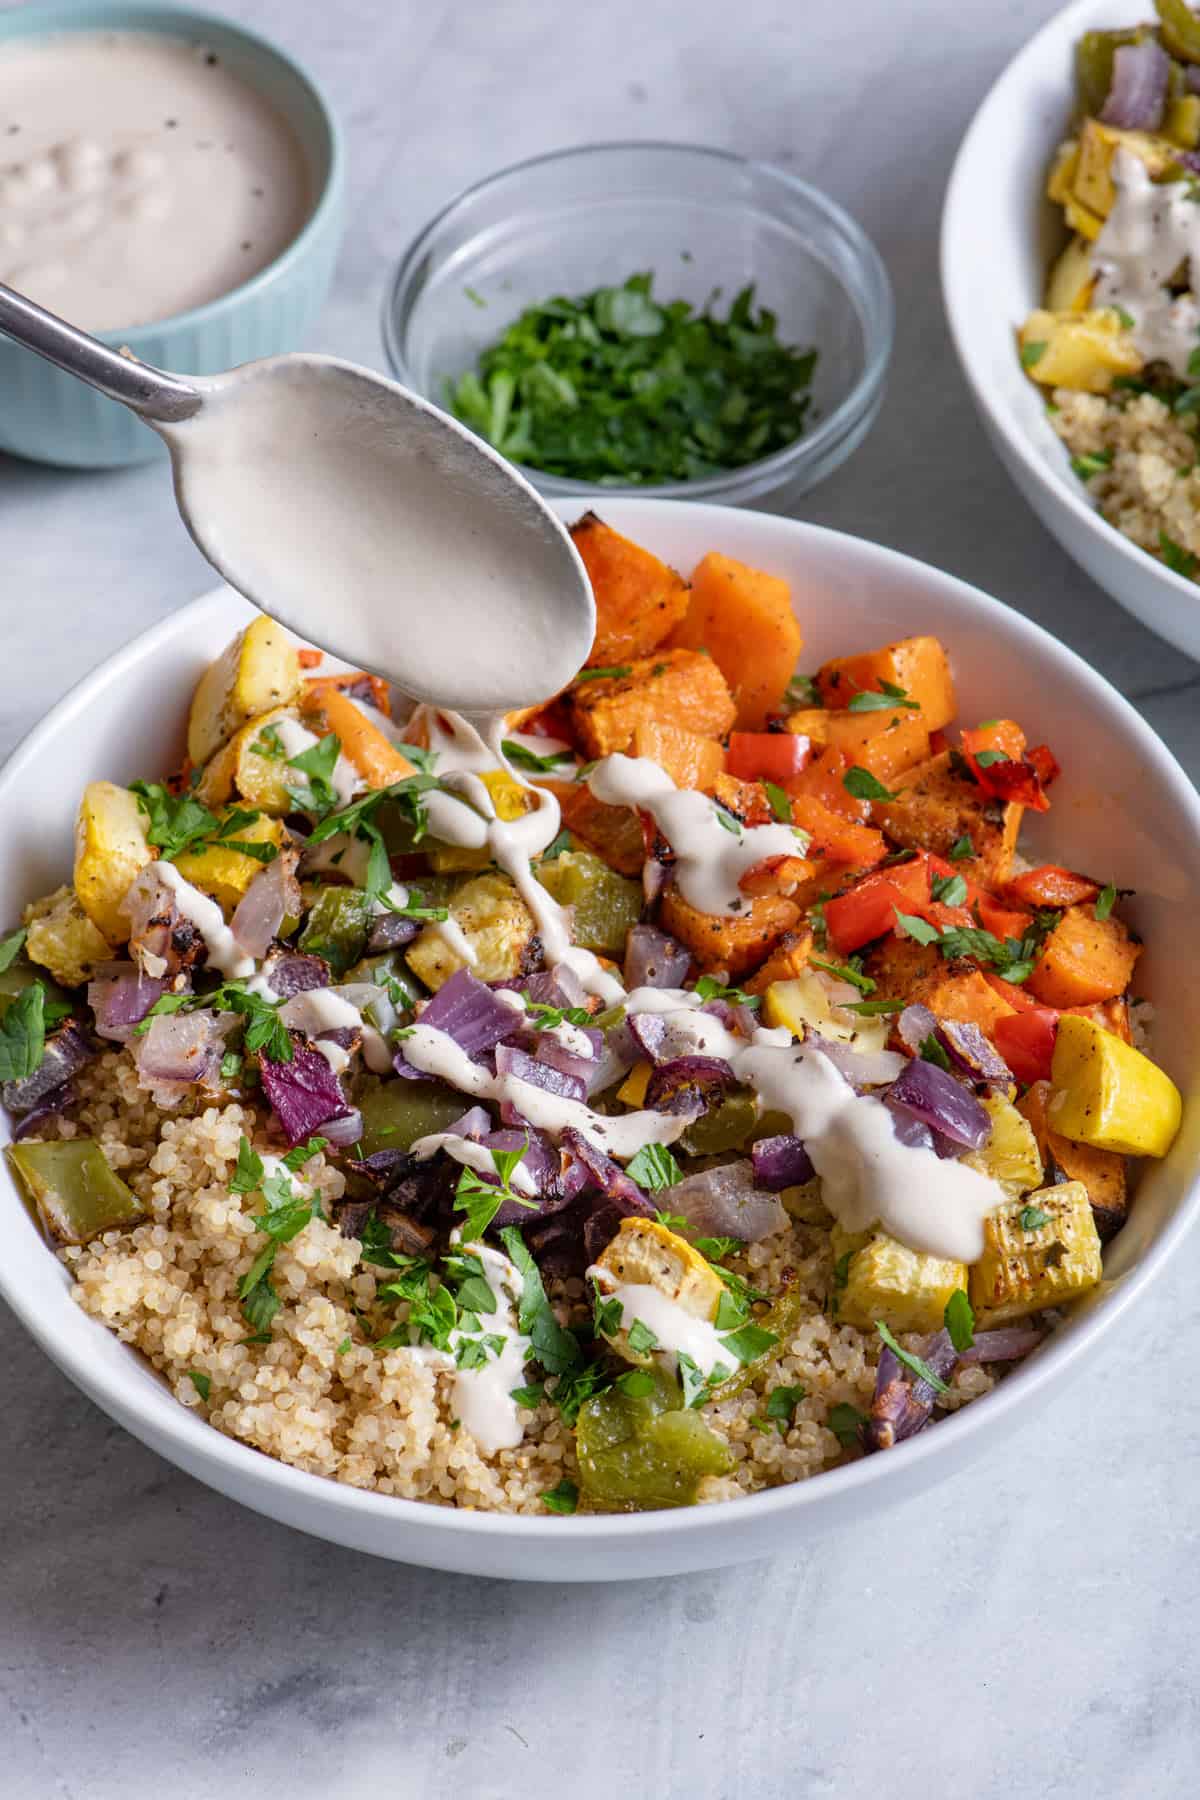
1180, 29
399, 1112
337, 926
645, 1451
1094, 65
76, 1193
606, 904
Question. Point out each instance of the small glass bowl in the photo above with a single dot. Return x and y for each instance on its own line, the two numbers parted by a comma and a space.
699, 219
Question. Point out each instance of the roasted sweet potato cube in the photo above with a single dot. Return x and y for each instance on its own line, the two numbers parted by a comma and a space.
690, 760
613, 832
736, 944
1084, 960
919, 665
919, 974
746, 800
885, 743
788, 959
1102, 1172
638, 598
679, 686
743, 617
935, 805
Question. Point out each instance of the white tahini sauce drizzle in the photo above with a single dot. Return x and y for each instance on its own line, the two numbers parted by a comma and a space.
1151, 233
296, 738
435, 1053
472, 1154
482, 1397
675, 1329
225, 954
710, 858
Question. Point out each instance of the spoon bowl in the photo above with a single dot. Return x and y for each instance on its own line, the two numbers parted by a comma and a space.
360, 516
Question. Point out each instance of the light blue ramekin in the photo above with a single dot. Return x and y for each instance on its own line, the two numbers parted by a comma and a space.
49, 417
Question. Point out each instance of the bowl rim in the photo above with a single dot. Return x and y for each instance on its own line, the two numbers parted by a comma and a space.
878, 325
201, 1444
953, 252
172, 18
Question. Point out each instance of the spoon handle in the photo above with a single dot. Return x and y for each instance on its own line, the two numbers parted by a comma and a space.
150, 392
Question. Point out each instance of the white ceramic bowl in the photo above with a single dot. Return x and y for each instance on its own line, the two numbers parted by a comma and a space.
998, 235
1123, 808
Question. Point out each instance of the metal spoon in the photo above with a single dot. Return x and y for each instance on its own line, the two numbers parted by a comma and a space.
357, 514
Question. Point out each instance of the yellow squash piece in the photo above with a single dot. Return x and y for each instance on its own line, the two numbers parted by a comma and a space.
1106, 1093
1093, 186
885, 1280
249, 768
1182, 123
1060, 183
224, 872
1082, 351
63, 939
494, 921
110, 851
1069, 287
1053, 1257
256, 673
1011, 1154
647, 1254
811, 999
632, 1091
511, 801
1082, 220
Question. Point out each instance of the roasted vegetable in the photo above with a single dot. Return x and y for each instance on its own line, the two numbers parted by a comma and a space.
1084, 959
882, 1279
1011, 1154
1107, 1094
1071, 280
787, 960
645, 1450
1103, 1172
1038, 1252
690, 760
1083, 351
110, 850
259, 671
253, 765
222, 870
75, 1192
397, 1113
676, 684
917, 666
494, 921
511, 801
339, 919
935, 807
736, 944
604, 904
63, 939
743, 618
326, 707
646, 1254
813, 1001
638, 598
886, 743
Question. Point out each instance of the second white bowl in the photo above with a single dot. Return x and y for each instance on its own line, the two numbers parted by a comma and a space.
998, 235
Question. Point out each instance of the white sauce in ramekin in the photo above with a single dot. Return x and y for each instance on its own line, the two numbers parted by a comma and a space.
139, 177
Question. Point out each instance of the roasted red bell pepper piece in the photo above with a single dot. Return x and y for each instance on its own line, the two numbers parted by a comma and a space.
1051, 885
767, 755
1026, 1042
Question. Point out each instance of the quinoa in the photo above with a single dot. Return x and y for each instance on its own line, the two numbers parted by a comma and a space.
320, 1396
1150, 489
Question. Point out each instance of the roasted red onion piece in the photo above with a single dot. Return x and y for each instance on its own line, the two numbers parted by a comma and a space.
688, 1084
1008, 1344
345, 1131
468, 1011
606, 1174
511, 1061
915, 1024
50, 1106
179, 1050
473, 1124
291, 972
120, 995
585, 1069
726, 1202
652, 959
780, 1162
304, 1094
1137, 96
942, 1103
971, 1055
161, 940
861, 1068
272, 896
391, 932
903, 1401
560, 987
67, 1050
910, 1130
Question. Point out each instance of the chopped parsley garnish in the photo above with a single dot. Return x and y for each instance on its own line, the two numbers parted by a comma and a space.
551, 1345
23, 1034
547, 1018
865, 786
846, 1423
174, 822
872, 1009
932, 1052
579, 1383
248, 1174
523, 758
985, 758
528, 1397
847, 972
889, 697
698, 1387
1177, 559
802, 691
343, 1347
614, 386
1093, 463
317, 765
1105, 901
232, 1065
265, 1034
295, 1159
781, 1406
1032, 1218
616, 672
951, 890
841, 1269
716, 1249
709, 988
11, 947
201, 1382
653, 1168
750, 1341
726, 819
641, 1339
779, 802
1013, 958
1033, 353
959, 1320
406, 794
481, 1196
960, 849
920, 1368
269, 744
561, 1499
